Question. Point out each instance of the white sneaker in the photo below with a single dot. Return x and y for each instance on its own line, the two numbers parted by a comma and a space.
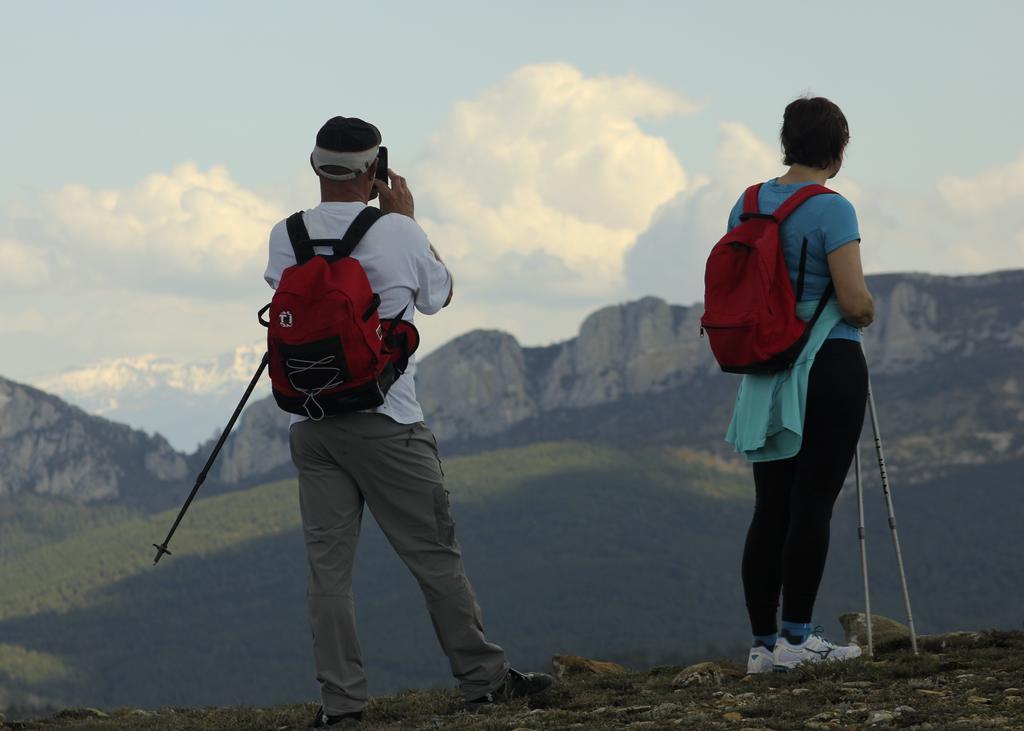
761, 660
814, 648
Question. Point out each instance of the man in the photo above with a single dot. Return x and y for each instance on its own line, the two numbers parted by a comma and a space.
385, 458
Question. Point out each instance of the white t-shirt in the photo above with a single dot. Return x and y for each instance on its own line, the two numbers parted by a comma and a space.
396, 255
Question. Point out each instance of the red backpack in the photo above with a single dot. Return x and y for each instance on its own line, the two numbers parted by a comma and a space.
330, 352
749, 305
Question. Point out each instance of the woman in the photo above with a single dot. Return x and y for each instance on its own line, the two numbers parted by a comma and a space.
789, 535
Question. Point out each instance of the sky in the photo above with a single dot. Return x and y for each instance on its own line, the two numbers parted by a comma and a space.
564, 155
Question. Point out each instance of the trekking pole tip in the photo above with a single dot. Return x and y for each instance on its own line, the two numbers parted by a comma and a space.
160, 551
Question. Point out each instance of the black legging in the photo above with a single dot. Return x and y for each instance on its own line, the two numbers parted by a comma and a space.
788, 538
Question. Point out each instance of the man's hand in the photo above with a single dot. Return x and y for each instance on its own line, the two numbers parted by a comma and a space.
396, 198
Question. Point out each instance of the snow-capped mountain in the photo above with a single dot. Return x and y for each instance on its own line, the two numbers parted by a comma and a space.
185, 402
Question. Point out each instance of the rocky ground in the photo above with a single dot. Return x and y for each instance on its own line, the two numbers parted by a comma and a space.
959, 681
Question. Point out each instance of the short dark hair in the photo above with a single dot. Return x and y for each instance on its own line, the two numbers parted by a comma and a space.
814, 132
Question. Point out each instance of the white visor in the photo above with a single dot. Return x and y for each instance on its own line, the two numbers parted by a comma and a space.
342, 165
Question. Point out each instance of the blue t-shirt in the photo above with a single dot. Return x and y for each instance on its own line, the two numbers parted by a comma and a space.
826, 221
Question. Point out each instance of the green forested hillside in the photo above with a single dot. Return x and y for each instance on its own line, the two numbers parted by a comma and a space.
572, 548
73, 567
66, 574
32, 521
60, 554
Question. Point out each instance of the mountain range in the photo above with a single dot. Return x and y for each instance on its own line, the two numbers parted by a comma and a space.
945, 357
599, 511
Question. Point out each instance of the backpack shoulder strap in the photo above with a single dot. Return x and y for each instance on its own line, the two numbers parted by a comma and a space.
302, 245
299, 237
750, 204
797, 199
356, 230
821, 304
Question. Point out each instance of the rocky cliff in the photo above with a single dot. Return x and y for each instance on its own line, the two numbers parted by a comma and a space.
48, 447
946, 355
484, 382
924, 320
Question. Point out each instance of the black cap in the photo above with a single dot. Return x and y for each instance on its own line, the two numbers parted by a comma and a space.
347, 134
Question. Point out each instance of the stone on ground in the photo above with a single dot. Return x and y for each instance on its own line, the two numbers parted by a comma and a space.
665, 710
880, 717
565, 665
703, 673
81, 714
886, 631
950, 640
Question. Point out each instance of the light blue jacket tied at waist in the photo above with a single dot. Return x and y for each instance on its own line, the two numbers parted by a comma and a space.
768, 419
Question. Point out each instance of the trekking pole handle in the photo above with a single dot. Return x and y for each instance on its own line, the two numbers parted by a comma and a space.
162, 548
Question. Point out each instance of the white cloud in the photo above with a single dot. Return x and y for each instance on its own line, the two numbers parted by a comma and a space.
964, 225
171, 265
548, 167
186, 230
991, 191
668, 258
532, 191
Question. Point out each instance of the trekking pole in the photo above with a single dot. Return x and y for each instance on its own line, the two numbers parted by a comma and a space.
162, 548
863, 550
887, 492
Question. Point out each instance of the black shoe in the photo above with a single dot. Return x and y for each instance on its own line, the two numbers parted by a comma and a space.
344, 720
515, 685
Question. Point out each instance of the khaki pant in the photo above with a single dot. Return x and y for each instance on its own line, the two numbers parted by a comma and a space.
349, 460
